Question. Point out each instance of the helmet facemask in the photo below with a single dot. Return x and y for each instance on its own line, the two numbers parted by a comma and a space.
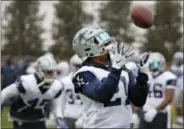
46, 70
92, 42
155, 68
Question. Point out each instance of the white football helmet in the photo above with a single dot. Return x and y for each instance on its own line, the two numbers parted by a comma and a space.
62, 69
178, 58
156, 63
75, 62
92, 42
46, 68
49, 54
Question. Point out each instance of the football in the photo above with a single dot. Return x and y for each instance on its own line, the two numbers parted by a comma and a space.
142, 16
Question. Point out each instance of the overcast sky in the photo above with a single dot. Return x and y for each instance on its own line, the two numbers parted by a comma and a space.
47, 7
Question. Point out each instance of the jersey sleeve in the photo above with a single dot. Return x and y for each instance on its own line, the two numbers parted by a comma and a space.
20, 86
9, 92
57, 107
171, 80
57, 102
89, 85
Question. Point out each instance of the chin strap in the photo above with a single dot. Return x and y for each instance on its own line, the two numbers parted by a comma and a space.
46, 83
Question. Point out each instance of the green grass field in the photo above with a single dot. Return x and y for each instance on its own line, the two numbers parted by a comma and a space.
4, 119
8, 124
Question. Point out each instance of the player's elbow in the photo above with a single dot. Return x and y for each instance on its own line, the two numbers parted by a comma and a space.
169, 100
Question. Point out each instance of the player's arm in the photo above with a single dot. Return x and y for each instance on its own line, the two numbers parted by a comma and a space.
137, 88
102, 91
58, 106
171, 84
9, 92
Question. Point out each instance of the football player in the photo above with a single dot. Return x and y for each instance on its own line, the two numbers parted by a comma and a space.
106, 87
177, 64
161, 88
30, 95
32, 67
177, 69
63, 69
71, 103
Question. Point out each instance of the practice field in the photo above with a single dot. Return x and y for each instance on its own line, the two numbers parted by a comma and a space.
4, 119
7, 123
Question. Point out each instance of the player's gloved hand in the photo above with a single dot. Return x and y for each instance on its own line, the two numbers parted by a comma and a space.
121, 56
142, 66
150, 115
60, 123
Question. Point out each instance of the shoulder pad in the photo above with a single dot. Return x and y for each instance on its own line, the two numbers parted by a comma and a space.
82, 78
57, 87
23, 83
169, 75
20, 86
85, 68
67, 79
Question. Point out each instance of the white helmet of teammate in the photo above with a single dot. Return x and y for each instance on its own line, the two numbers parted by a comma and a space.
156, 63
75, 62
49, 54
63, 68
46, 68
178, 58
91, 42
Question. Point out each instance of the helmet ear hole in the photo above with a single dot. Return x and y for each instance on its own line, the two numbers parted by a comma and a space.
95, 41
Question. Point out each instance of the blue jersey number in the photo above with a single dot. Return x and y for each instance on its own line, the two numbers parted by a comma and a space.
34, 102
117, 101
72, 97
156, 92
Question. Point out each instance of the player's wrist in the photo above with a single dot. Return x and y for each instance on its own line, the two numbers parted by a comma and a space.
116, 71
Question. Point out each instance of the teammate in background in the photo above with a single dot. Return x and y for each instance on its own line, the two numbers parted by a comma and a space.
177, 64
105, 86
32, 66
156, 113
63, 69
31, 69
30, 95
71, 103
177, 69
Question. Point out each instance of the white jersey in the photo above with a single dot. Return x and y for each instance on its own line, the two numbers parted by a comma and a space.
157, 89
117, 114
30, 100
178, 71
73, 106
180, 79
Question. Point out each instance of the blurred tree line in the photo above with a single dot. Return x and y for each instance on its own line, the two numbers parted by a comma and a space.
23, 29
